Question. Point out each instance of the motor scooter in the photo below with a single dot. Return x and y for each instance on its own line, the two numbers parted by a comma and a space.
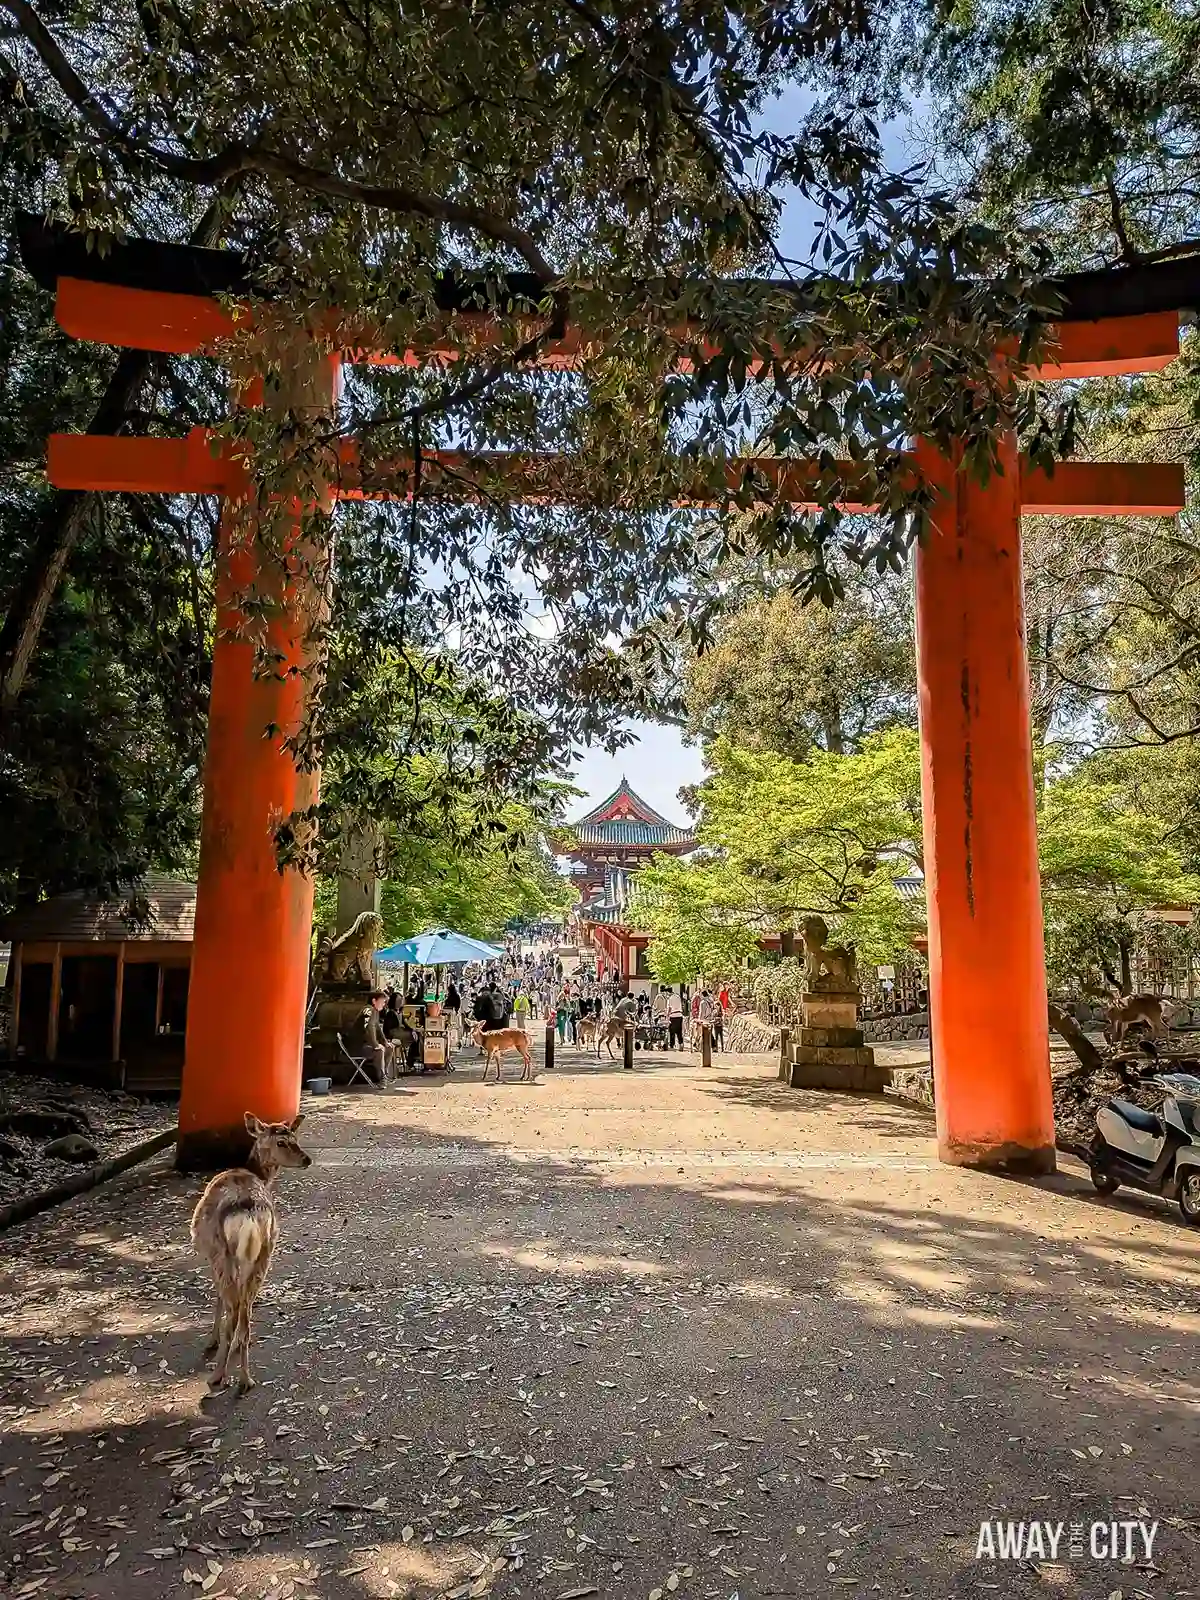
1158, 1151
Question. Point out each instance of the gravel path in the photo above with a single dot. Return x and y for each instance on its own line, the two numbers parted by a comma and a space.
609, 1334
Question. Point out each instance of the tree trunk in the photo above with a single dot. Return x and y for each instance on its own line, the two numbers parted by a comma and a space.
831, 727
1067, 1028
62, 521
1126, 968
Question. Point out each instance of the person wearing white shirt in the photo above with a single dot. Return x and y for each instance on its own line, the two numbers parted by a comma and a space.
674, 1020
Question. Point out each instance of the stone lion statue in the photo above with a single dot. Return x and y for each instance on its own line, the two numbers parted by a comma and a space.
837, 961
353, 951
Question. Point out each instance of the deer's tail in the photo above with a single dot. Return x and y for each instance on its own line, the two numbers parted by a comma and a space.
247, 1238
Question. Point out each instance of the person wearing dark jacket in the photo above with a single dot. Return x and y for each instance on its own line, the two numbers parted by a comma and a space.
491, 1008
501, 1007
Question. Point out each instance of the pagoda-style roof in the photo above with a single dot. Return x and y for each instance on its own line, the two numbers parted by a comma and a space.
625, 820
639, 835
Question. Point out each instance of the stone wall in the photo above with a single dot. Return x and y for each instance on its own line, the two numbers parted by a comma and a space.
913, 1026
747, 1034
1091, 1014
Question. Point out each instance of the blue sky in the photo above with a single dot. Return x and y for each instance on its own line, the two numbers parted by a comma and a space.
661, 760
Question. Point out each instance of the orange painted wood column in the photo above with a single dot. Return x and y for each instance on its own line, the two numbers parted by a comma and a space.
250, 959
987, 985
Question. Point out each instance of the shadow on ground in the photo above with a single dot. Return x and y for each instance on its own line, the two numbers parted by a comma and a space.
553, 1375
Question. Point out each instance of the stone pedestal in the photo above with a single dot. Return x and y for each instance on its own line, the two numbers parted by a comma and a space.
828, 1051
339, 1007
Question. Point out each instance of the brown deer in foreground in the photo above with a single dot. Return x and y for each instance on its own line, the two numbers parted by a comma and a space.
234, 1229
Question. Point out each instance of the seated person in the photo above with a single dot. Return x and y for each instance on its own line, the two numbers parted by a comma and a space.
390, 1017
410, 1046
372, 1040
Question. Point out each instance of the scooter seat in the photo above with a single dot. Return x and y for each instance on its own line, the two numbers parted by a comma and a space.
1146, 1121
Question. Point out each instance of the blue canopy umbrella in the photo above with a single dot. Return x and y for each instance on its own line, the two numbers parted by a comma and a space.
439, 948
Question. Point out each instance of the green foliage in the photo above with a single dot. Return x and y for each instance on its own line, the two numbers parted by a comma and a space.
457, 878
1078, 118
99, 781
1082, 120
696, 917
1105, 863
100, 756
783, 839
784, 676
476, 892
779, 988
829, 835
604, 152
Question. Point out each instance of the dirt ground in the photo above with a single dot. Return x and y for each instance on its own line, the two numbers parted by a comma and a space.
614, 1334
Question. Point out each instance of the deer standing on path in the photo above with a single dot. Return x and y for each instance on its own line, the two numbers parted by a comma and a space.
495, 1042
234, 1229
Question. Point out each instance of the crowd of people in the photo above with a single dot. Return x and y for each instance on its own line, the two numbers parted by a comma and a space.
523, 987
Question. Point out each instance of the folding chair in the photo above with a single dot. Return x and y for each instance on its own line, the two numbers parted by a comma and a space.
358, 1063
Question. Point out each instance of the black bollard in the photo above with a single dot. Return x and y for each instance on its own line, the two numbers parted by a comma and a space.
629, 1047
706, 1044
785, 1054
550, 1047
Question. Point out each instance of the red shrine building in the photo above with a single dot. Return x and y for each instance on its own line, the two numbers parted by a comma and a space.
607, 847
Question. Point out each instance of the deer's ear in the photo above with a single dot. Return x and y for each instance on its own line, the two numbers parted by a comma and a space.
296, 1121
253, 1126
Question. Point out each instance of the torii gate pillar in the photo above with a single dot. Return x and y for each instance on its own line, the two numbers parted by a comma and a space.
250, 959
987, 975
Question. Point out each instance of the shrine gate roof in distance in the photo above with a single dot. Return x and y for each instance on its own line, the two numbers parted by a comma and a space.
627, 821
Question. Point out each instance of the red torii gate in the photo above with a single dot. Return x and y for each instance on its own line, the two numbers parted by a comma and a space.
253, 922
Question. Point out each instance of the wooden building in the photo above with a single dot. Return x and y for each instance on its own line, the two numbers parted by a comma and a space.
93, 988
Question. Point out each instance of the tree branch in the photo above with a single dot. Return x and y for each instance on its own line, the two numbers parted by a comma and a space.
451, 399
1128, 253
238, 158
401, 199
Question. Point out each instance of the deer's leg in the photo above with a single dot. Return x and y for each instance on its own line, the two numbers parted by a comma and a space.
214, 1338
243, 1380
227, 1315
